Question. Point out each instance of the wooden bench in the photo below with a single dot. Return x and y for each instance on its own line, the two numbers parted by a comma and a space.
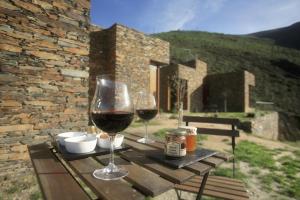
217, 186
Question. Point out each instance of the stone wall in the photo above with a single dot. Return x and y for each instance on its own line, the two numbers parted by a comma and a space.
266, 126
44, 71
135, 51
229, 91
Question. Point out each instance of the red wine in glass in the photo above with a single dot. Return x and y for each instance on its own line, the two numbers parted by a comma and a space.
146, 114
112, 122
146, 109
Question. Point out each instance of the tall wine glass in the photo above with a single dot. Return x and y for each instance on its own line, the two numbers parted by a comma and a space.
112, 112
146, 109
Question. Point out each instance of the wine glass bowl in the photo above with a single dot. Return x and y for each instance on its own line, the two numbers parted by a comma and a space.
146, 109
112, 112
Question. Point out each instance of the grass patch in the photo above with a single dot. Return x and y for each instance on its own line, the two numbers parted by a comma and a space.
254, 154
35, 195
13, 189
255, 171
227, 172
290, 184
289, 166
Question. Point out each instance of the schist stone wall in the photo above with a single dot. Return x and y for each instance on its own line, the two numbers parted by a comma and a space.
44, 70
127, 54
229, 91
194, 72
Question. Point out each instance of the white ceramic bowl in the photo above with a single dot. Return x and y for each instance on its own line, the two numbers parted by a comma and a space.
81, 144
105, 143
62, 136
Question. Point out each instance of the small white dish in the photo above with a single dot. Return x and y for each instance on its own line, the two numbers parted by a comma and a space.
105, 143
81, 144
62, 136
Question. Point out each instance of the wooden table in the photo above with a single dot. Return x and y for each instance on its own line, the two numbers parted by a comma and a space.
62, 179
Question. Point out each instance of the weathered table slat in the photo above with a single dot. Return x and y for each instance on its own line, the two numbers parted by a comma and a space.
213, 161
117, 189
174, 175
138, 146
141, 178
55, 180
224, 156
199, 168
135, 137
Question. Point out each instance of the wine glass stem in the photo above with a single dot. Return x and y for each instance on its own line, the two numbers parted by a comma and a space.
112, 159
146, 128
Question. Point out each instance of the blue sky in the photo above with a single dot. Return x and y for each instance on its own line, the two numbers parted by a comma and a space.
223, 16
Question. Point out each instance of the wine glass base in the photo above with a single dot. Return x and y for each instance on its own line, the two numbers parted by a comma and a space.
145, 140
107, 174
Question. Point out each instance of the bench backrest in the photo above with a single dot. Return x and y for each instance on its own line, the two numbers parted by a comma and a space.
216, 131
214, 120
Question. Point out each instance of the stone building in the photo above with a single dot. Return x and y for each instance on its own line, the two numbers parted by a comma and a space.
191, 74
229, 92
127, 53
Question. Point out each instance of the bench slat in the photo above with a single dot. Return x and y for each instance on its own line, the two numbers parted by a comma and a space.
221, 132
210, 193
216, 179
219, 188
55, 181
214, 120
213, 183
141, 178
112, 190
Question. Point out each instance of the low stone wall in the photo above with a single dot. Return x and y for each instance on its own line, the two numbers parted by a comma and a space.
266, 126
44, 71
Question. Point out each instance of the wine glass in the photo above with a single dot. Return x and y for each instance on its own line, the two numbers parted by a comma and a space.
112, 112
146, 109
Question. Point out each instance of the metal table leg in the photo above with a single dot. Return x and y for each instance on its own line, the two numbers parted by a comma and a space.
202, 186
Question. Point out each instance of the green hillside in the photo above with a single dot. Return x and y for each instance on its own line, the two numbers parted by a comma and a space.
276, 68
286, 36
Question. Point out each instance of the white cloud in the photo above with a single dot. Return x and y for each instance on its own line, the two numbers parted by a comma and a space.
236, 17
169, 15
166, 15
